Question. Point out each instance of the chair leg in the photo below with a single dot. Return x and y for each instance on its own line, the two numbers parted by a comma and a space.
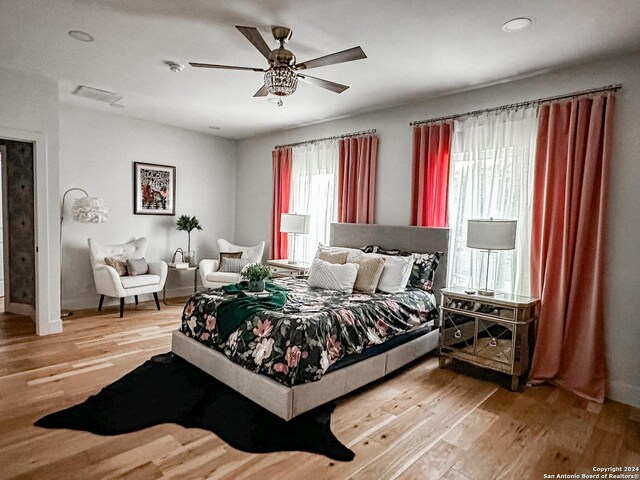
121, 307
100, 304
136, 297
155, 296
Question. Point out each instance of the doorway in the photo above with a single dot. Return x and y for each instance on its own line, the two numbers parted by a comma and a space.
18, 227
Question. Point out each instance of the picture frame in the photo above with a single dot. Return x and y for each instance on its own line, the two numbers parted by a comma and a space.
154, 189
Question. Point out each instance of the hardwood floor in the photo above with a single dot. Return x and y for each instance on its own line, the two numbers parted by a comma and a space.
420, 423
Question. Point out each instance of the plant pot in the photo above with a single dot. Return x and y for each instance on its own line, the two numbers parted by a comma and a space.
190, 257
256, 285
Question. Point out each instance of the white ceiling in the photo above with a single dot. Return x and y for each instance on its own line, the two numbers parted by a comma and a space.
416, 49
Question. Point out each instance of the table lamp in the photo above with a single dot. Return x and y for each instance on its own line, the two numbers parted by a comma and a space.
490, 235
294, 224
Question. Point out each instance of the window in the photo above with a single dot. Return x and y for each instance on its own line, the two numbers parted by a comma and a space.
491, 176
314, 191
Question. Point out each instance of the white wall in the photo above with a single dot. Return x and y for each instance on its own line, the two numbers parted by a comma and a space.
253, 207
29, 111
97, 151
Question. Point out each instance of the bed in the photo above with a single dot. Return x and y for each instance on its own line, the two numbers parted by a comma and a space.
316, 335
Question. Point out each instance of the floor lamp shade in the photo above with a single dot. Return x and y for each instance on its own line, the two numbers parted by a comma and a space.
90, 210
490, 234
295, 223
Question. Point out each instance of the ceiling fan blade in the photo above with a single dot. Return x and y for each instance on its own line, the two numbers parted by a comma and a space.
319, 82
225, 67
253, 35
263, 92
355, 53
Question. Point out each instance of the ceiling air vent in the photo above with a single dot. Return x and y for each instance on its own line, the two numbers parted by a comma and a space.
97, 94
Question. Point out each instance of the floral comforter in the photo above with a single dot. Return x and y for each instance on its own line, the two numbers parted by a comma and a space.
315, 329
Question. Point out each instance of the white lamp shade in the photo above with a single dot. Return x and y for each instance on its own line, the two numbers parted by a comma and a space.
90, 210
490, 234
295, 223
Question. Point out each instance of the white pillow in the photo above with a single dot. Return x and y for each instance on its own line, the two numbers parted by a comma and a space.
332, 276
395, 274
354, 253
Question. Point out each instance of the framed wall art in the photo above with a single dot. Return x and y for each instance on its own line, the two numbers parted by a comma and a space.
154, 189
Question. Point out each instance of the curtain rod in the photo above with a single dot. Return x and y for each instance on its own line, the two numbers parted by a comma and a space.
346, 135
614, 87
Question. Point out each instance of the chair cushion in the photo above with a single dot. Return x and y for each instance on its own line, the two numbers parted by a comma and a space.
137, 266
232, 265
250, 254
140, 280
224, 255
118, 263
223, 277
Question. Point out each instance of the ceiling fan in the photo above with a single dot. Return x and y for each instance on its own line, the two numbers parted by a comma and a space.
281, 77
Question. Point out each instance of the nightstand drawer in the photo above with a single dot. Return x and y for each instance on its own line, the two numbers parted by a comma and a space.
479, 307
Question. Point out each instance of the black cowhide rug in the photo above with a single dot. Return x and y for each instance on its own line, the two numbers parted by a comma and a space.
167, 389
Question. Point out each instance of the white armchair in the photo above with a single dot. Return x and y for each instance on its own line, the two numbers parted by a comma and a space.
110, 284
212, 278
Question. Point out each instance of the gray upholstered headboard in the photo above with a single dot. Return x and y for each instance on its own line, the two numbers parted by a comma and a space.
410, 239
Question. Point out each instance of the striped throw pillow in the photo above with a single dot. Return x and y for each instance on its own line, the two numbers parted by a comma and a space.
332, 276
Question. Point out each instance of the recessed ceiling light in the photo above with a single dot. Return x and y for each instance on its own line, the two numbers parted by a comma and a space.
517, 24
80, 35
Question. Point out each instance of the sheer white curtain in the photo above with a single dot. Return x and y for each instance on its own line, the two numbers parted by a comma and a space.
314, 191
491, 175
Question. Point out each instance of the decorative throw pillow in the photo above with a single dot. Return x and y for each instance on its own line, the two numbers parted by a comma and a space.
353, 252
331, 276
369, 272
333, 257
394, 252
232, 265
228, 255
370, 249
137, 266
119, 263
424, 270
395, 274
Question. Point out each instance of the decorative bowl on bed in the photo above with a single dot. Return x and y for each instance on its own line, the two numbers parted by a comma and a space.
256, 273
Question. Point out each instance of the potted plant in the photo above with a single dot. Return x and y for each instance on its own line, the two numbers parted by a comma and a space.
255, 273
185, 223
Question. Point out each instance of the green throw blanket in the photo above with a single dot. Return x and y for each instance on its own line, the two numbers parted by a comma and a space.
234, 311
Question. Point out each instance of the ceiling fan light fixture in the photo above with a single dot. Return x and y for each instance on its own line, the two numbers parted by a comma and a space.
281, 81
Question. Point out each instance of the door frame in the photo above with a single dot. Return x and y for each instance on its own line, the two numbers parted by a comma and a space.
47, 231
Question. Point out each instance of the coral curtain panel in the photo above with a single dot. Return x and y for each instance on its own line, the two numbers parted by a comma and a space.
568, 242
430, 182
281, 158
357, 166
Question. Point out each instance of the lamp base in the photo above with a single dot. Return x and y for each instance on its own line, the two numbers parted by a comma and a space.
487, 293
66, 313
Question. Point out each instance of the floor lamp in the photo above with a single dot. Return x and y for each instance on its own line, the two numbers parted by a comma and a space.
84, 210
294, 224
490, 235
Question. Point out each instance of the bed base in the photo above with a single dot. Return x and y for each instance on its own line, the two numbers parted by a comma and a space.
289, 402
